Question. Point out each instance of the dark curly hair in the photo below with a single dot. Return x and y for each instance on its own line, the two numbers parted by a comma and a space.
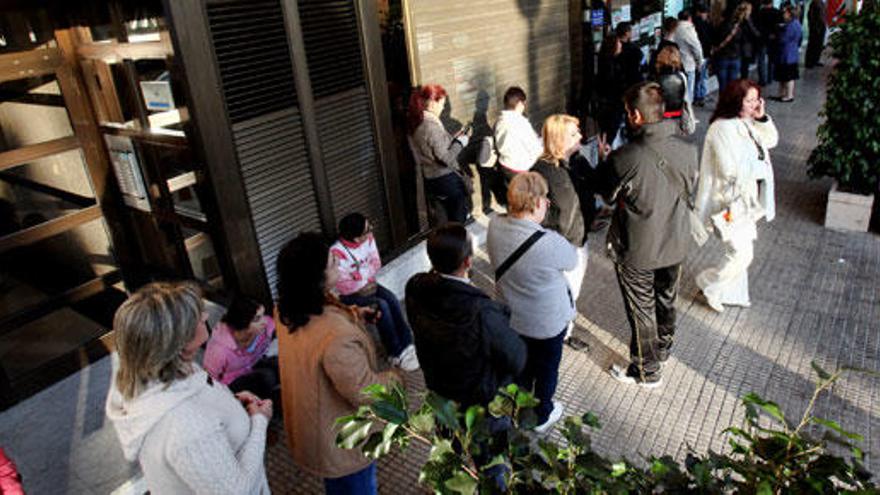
301, 285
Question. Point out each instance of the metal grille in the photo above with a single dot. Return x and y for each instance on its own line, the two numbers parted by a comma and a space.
349, 148
333, 50
250, 43
277, 178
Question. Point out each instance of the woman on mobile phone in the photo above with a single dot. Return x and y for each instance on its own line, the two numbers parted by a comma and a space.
436, 153
736, 181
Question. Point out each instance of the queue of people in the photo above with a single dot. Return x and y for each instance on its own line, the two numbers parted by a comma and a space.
201, 428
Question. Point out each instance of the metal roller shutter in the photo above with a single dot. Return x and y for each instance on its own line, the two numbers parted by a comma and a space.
343, 112
258, 87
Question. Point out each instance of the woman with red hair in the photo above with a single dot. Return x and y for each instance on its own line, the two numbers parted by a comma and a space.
436, 153
735, 187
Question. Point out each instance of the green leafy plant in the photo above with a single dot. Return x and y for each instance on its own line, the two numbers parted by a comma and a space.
470, 454
849, 137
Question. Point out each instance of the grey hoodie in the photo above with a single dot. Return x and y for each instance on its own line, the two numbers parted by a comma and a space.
181, 434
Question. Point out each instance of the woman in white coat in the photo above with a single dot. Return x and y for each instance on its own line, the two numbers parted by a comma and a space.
736, 180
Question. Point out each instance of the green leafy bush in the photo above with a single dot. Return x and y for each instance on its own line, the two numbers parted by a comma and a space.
849, 138
768, 454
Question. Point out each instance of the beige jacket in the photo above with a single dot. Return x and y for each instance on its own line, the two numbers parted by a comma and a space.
324, 366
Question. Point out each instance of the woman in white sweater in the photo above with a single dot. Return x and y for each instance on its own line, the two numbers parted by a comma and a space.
189, 433
736, 180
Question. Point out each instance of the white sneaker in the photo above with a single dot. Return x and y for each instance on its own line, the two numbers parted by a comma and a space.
407, 360
555, 415
714, 304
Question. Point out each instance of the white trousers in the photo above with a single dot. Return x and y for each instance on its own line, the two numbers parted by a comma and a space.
575, 279
728, 282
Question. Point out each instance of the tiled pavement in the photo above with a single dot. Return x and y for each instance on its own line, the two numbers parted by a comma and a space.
815, 295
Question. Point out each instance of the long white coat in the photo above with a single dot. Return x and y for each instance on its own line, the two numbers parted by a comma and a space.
729, 168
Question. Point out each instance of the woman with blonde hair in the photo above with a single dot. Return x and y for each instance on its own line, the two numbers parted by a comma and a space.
189, 433
673, 82
530, 263
562, 139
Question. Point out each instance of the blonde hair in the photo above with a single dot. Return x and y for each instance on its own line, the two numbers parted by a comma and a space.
553, 133
743, 10
668, 56
151, 328
525, 191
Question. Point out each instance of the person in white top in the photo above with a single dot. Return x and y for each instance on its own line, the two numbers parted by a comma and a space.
736, 179
516, 142
685, 36
189, 432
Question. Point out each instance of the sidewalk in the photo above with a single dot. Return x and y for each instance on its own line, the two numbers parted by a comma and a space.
815, 295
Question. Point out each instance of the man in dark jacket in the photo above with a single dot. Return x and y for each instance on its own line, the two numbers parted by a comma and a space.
650, 231
463, 338
768, 19
704, 33
630, 55
816, 40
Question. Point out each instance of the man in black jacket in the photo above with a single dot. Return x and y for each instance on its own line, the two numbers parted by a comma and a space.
463, 338
768, 18
648, 179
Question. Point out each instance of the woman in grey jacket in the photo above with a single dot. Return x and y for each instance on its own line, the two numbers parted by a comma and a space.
436, 154
534, 287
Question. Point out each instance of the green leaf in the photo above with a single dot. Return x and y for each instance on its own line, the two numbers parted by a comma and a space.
837, 428
439, 449
375, 390
445, 411
769, 407
659, 468
618, 469
591, 420
501, 406
389, 412
764, 488
353, 433
423, 423
471, 415
824, 375
526, 399
463, 483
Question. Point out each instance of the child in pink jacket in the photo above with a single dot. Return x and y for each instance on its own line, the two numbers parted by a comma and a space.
358, 262
236, 353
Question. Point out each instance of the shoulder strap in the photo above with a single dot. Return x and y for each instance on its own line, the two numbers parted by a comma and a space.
672, 176
516, 255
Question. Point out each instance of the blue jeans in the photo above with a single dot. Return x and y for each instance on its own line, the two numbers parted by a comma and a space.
727, 71
700, 89
765, 66
541, 374
362, 482
392, 326
691, 80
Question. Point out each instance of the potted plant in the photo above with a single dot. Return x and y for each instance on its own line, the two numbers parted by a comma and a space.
849, 138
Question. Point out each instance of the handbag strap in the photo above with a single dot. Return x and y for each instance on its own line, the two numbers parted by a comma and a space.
761, 154
672, 176
516, 255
